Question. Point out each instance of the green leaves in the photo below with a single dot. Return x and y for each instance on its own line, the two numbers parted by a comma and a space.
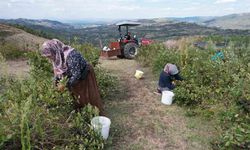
238, 133
106, 82
24, 125
147, 53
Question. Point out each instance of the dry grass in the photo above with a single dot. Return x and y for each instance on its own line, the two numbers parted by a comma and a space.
18, 68
140, 121
24, 40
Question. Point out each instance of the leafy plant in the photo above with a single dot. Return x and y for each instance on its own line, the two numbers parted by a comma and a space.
107, 83
147, 53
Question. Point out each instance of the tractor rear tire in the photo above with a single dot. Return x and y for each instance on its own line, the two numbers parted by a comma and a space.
130, 50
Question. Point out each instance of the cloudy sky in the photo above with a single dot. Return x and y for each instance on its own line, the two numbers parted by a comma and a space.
118, 9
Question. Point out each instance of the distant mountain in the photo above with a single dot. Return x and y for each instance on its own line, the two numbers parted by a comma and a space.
20, 38
42, 23
44, 28
195, 19
234, 21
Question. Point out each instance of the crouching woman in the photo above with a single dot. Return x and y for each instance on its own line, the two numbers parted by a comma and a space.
167, 77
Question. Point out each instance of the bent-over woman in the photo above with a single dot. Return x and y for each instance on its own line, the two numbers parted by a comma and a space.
68, 62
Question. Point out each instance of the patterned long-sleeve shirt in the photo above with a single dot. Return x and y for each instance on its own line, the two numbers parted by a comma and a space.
77, 67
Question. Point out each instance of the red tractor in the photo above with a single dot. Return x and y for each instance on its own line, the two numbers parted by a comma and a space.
126, 46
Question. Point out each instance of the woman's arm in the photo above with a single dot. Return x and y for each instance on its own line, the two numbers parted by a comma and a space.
76, 64
169, 84
178, 77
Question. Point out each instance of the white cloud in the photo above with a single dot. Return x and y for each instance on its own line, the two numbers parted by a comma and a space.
229, 9
14, 1
224, 1
152, 1
196, 3
9, 5
189, 8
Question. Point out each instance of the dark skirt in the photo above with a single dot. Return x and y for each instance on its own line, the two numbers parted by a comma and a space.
86, 92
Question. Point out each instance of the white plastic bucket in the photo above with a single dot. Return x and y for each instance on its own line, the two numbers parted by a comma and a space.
167, 97
101, 124
138, 74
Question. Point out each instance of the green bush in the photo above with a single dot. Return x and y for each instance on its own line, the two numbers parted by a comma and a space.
236, 130
89, 52
147, 53
163, 56
106, 82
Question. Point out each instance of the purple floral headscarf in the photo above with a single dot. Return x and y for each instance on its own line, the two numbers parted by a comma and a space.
58, 52
171, 69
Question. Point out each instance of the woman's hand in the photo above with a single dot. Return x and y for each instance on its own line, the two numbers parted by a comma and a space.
60, 84
60, 87
56, 80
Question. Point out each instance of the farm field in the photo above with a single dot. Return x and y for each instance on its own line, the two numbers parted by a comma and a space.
139, 119
210, 110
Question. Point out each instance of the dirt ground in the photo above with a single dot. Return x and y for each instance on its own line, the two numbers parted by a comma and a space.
141, 122
18, 67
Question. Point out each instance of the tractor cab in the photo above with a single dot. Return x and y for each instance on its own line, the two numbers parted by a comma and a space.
126, 37
127, 45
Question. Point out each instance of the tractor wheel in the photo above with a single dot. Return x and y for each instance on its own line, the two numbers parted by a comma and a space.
130, 50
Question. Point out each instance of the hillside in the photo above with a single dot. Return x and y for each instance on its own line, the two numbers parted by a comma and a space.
195, 19
234, 21
43, 23
157, 29
19, 38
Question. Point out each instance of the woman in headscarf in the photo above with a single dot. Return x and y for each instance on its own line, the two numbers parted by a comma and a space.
67, 62
167, 76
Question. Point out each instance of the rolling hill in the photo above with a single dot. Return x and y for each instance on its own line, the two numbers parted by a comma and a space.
40, 23
194, 19
234, 21
19, 38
